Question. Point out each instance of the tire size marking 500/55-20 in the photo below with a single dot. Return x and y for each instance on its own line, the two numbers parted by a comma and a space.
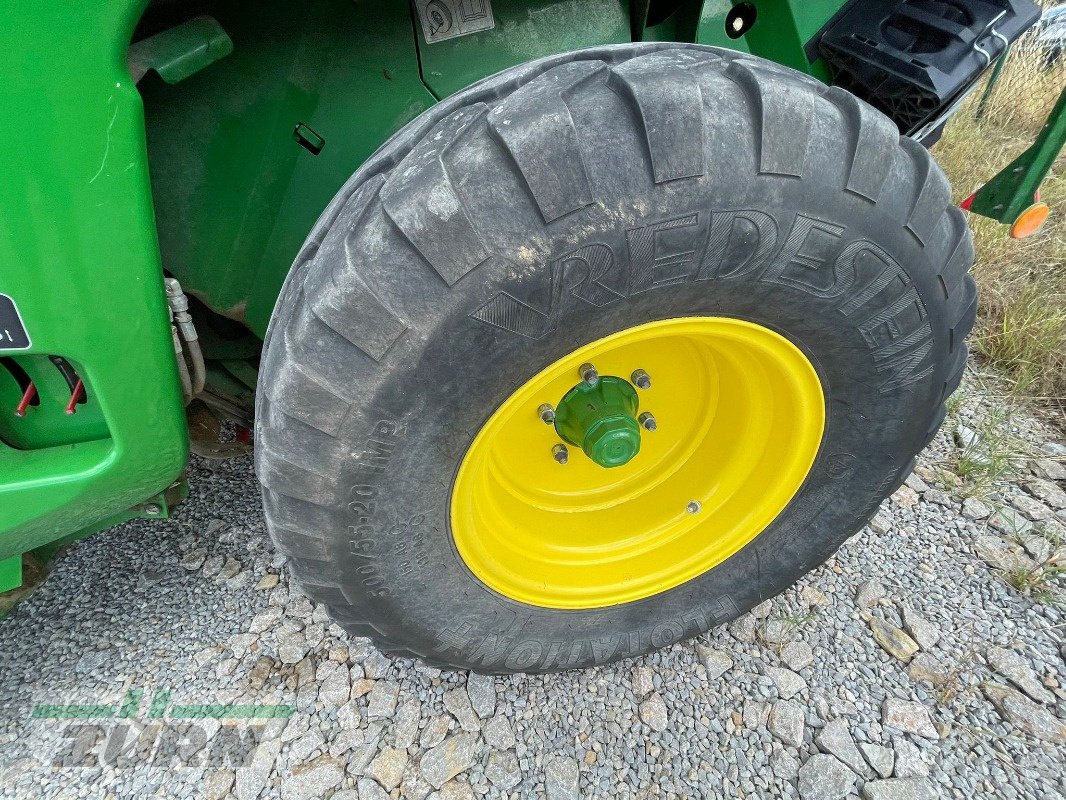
13, 334
862, 282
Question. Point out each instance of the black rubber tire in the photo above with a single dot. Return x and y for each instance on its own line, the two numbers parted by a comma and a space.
431, 288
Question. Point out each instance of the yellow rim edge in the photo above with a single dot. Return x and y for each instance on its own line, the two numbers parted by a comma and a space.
740, 414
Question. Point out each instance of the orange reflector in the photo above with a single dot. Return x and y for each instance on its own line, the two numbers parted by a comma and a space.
1029, 221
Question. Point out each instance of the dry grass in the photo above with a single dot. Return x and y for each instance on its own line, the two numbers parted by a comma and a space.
1021, 326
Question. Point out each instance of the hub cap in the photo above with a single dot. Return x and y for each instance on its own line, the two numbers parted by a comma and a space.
601, 419
739, 415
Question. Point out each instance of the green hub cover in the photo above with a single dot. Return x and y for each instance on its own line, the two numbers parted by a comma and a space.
601, 419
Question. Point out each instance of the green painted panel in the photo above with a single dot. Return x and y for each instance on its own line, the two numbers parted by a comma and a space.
78, 253
524, 30
781, 31
235, 193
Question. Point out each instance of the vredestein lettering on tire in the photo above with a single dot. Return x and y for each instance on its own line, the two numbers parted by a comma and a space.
677, 205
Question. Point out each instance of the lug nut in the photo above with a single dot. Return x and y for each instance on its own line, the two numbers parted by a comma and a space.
640, 379
693, 507
588, 374
546, 413
647, 421
560, 453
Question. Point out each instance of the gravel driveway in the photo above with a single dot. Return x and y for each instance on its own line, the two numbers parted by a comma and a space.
905, 667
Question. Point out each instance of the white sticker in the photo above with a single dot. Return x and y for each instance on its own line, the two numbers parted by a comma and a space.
446, 19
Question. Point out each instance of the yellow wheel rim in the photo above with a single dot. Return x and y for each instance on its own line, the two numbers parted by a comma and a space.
740, 414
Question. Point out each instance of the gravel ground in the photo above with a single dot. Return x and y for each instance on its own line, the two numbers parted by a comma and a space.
905, 667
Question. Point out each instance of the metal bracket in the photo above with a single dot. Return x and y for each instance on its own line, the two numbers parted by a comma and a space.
181, 51
1011, 191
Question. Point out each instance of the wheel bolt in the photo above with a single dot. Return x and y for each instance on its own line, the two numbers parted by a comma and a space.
588, 373
647, 421
640, 379
546, 413
560, 453
693, 507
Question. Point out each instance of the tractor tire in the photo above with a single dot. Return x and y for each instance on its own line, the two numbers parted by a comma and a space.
545, 210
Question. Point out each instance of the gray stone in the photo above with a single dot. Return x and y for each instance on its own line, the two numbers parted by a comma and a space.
788, 683
498, 733
813, 597
1026, 715
1002, 555
1032, 508
966, 437
1049, 468
916, 483
715, 662
881, 522
314, 780
824, 777
434, 732
502, 770
193, 560
454, 755
1009, 522
924, 667
786, 722
939, 498
784, 765
482, 692
777, 631
1048, 492
335, 686
868, 593
905, 497
458, 704
835, 739
387, 767
561, 775
405, 723
292, 646
882, 759
653, 712
368, 790
921, 630
909, 717
895, 642
975, 509
755, 714
797, 655
1019, 672
1038, 547
381, 702
641, 681
250, 780
453, 790
743, 628
413, 787
762, 611
909, 761
363, 753
899, 789
217, 784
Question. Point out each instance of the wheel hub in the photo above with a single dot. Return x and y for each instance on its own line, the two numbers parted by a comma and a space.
601, 419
